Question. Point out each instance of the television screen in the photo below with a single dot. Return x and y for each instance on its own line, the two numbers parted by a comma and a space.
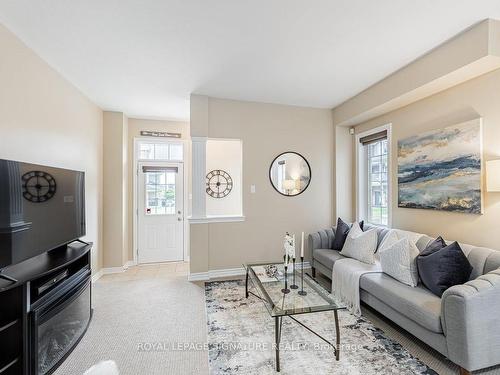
41, 208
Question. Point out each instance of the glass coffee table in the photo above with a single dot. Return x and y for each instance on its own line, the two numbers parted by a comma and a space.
269, 289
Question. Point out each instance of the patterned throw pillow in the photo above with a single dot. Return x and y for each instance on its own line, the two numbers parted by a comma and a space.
361, 245
399, 260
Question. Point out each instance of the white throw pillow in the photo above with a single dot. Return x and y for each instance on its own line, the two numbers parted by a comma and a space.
390, 239
361, 245
399, 260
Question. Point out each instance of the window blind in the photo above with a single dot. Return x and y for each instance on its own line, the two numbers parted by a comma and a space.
159, 169
373, 137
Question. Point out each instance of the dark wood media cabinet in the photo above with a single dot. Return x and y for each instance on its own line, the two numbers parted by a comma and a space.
46, 285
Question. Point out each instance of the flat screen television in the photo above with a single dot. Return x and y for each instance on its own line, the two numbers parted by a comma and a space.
41, 208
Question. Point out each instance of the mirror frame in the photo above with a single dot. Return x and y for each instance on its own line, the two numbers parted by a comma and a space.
308, 166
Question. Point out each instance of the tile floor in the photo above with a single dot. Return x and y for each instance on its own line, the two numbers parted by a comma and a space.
148, 271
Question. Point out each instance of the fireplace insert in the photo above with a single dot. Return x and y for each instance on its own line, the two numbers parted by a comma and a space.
60, 315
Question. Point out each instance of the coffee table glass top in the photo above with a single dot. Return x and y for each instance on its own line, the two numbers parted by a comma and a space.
279, 304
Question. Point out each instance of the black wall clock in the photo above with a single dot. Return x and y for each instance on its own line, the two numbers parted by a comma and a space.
219, 183
38, 186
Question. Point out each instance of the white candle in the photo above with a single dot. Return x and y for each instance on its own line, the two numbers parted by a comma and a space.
294, 247
302, 246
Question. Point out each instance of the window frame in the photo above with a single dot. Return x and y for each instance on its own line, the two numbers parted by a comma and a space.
363, 203
186, 162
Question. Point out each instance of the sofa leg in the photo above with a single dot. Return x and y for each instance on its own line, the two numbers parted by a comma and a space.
464, 371
313, 272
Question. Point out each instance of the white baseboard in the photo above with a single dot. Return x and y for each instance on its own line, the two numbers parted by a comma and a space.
129, 264
213, 274
111, 270
96, 276
199, 276
228, 272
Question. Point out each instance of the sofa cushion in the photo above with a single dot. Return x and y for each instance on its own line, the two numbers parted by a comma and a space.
492, 261
417, 304
327, 257
482, 260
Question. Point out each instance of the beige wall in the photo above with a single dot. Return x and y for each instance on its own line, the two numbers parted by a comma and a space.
476, 98
46, 120
115, 217
266, 130
225, 154
134, 131
344, 165
471, 53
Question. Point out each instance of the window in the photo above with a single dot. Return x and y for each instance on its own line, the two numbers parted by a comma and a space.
377, 183
160, 151
373, 177
175, 152
160, 193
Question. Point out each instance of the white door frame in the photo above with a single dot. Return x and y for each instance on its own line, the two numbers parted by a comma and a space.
135, 171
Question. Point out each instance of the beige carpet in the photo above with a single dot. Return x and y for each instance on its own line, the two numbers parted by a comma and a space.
143, 317
150, 307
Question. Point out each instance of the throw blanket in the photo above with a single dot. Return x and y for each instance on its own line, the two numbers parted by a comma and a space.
347, 272
345, 281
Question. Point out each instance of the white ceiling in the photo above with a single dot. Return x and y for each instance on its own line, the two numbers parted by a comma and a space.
144, 57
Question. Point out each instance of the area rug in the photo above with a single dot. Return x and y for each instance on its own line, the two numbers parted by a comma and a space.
241, 340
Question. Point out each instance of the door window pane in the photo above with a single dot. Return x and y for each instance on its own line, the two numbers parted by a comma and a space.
160, 193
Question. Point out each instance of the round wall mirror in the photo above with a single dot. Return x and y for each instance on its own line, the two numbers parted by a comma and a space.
290, 173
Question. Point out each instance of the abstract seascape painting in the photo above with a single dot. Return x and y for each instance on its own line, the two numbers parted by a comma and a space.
441, 169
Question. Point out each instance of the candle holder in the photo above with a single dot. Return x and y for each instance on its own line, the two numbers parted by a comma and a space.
294, 286
301, 291
285, 290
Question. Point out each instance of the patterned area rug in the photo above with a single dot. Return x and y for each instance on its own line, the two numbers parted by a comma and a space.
241, 340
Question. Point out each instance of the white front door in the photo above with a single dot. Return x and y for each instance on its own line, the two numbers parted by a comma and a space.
161, 212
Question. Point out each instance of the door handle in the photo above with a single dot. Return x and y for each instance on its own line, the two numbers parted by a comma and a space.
179, 212
179, 219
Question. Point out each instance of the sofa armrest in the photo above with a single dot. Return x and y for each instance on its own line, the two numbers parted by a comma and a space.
322, 239
471, 322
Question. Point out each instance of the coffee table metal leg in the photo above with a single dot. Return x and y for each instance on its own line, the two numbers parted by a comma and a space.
246, 285
337, 331
277, 335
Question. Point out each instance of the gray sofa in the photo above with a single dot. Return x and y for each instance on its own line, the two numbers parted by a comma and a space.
463, 325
